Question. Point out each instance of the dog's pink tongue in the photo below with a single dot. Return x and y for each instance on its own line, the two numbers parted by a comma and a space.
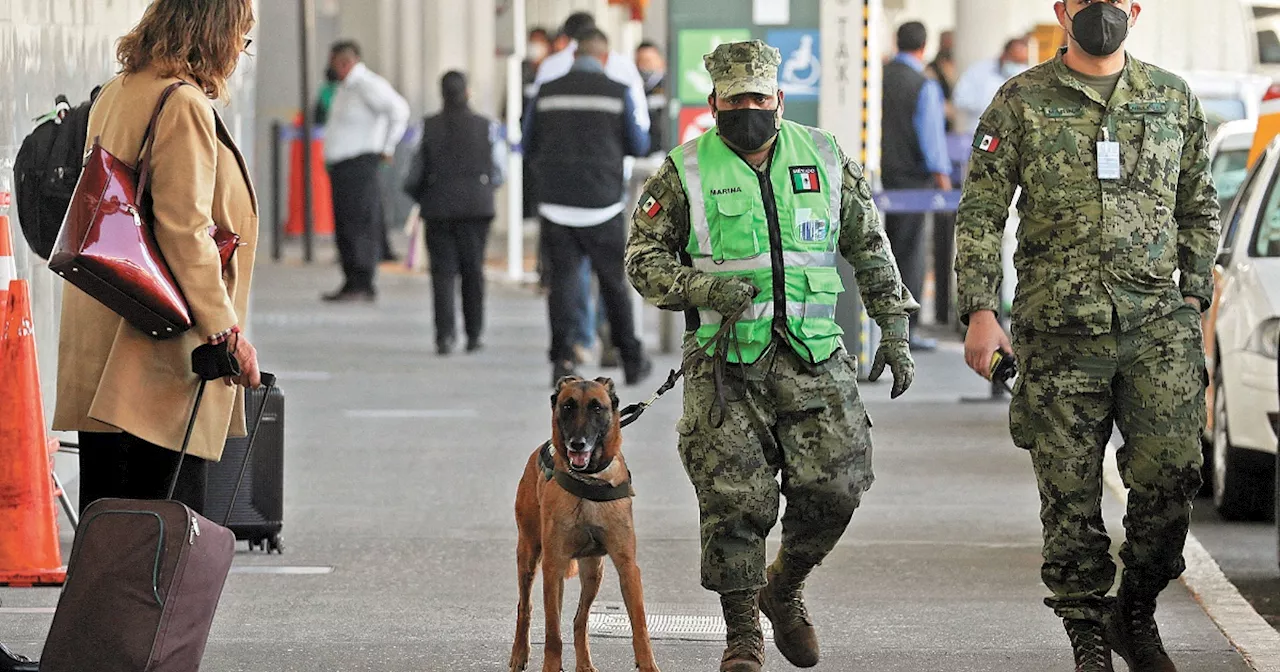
579, 459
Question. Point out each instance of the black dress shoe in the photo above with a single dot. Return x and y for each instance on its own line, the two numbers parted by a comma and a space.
12, 662
351, 296
636, 372
444, 346
474, 345
560, 370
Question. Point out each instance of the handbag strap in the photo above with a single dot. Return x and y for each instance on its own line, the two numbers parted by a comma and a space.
144, 163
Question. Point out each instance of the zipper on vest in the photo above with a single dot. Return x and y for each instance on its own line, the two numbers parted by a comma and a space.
775, 245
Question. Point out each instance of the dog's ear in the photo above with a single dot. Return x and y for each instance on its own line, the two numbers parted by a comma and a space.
613, 394
560, 385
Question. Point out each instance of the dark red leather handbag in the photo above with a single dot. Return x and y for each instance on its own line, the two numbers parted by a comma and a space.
107, 247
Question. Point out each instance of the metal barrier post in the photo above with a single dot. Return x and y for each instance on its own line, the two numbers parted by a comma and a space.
277, 221
307, 29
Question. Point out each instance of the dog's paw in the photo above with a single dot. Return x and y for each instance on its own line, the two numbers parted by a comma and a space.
519, 661
586, 668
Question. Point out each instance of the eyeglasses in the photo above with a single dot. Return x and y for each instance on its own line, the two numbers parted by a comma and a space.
247, 41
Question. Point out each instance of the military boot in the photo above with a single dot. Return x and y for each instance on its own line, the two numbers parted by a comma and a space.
1134, 635
781, 601
1089, 645
745, 641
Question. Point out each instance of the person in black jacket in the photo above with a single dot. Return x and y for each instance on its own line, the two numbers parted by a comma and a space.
458, 166
578, 131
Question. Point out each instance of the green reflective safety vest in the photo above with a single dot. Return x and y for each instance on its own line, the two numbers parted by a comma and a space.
778, 231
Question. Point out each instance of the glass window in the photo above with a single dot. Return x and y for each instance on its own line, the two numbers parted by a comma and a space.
1268, 47
1221, 110
1229, 170
1242, 200
1266, 238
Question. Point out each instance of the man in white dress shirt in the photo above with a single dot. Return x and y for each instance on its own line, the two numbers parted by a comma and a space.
366, 121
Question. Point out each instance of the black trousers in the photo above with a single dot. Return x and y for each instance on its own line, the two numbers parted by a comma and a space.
357, 218
124, 466
455, 248
605, 245
907, 239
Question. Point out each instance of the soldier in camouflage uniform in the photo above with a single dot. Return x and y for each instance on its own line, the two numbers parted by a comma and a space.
1110, 155
748, 221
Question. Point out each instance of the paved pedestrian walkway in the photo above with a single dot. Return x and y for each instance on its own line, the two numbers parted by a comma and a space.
400, 538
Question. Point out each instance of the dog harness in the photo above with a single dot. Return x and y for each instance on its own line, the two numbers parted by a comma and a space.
595, 492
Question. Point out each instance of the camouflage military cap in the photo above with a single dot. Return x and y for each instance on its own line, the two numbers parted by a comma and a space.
744, 67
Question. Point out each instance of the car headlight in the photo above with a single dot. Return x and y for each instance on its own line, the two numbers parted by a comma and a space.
1265, 340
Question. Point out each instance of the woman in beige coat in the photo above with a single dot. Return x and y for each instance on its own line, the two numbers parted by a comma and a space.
130, 396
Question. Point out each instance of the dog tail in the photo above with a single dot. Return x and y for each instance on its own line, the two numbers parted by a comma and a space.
572, 571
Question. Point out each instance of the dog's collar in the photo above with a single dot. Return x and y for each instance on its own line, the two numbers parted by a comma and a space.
592, 491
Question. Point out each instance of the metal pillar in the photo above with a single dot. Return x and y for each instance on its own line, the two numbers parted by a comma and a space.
307, 26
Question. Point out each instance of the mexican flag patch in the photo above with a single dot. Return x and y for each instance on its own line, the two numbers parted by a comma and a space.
986, 143
804, 179
650, 206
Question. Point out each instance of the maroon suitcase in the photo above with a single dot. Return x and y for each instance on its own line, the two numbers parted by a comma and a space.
142, 585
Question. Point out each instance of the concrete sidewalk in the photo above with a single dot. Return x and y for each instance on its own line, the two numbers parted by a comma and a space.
401, 476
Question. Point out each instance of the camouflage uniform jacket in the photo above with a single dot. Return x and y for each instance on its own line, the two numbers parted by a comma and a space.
656, 248
1089, 248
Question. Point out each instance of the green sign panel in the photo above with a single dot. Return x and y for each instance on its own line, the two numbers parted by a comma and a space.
695, 83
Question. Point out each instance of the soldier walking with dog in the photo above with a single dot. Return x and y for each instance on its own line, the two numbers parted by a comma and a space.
1111, 156
748, 221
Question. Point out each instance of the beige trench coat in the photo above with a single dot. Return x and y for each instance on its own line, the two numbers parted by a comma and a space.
112, 377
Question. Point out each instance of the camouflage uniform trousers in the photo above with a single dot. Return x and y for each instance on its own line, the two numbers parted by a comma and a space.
1150, 383
784, 415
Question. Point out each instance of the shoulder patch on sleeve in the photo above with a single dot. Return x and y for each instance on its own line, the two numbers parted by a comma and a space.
649, 205
984, 141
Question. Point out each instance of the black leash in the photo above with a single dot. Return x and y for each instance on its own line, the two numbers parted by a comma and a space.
719, 356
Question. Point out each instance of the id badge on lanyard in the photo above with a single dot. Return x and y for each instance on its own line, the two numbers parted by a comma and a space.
1108, 157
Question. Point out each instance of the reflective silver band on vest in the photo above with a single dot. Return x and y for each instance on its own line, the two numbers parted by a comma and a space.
760, 311
558, 103
835, 174
697, 200
764, 261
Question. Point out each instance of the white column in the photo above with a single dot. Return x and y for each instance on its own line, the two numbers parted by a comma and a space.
982, 28
482, 68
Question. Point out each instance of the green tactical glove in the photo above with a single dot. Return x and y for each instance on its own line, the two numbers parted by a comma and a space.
895, 352
725, 295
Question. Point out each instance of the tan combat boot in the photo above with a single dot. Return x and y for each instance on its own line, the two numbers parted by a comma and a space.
745, 641
1134, 635
1089, 645
781, 601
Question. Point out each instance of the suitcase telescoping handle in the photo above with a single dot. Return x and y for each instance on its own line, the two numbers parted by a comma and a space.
212, 362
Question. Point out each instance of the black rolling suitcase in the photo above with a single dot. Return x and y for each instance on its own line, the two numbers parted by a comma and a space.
259, 510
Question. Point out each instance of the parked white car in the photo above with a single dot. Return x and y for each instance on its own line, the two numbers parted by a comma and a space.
1228, 96
1242, 336
1229, 156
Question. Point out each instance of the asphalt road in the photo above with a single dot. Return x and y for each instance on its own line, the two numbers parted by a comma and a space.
1246, 552
400, 537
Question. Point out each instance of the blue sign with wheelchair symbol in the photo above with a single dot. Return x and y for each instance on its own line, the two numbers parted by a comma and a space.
800, 74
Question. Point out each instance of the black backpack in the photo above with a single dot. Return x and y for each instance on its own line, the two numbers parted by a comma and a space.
46, 170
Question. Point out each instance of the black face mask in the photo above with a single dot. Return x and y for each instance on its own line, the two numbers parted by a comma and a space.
747, 130
330, 75
1100, 28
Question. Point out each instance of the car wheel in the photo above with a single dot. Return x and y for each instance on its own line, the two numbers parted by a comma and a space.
1238, 493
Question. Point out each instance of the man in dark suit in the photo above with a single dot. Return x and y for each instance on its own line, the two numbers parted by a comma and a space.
914, 154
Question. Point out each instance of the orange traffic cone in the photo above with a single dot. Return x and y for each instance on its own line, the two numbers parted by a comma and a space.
8, 269
29, 551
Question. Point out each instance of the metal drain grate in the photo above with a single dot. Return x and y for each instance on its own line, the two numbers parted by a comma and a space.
609, 619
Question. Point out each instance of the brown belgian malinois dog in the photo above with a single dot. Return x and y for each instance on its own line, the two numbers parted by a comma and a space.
573, 507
